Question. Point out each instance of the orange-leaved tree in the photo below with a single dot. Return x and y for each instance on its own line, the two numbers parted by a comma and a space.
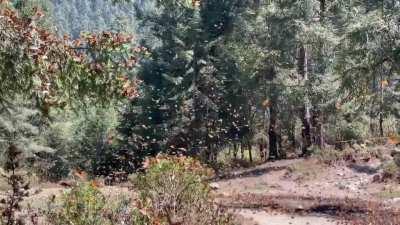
38, 64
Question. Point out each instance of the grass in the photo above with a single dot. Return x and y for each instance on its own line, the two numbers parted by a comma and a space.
333, 156
388, 194
307, 170
3, 185
391, 169
258, 188
224, 158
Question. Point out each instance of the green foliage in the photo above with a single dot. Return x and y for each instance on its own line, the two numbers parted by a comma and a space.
10, 205
28, 8
84, 139
391, 170
303, 73
93, 139
55, 72
82, 205
75, 17
24, 126
354, 130
173, 190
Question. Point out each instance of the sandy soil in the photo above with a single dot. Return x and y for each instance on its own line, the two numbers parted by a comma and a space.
303, 184
306, 178
258, 217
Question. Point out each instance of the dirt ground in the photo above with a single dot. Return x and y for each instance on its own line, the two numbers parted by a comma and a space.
304, 178
294, 191
308, 186
260, 217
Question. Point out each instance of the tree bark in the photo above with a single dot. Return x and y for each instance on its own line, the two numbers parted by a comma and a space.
305, 112
381, 107
272, 133
381, 133
322, 8
273, 140
319, 132
250, 153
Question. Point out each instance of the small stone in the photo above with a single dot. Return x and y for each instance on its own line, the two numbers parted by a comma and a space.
376, 178
214, 186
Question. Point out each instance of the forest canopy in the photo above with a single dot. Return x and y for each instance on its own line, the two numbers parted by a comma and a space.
194, 110
286, 76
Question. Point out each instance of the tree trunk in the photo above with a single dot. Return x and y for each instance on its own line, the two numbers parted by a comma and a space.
292, 129
381, 124
281, 152
292, 135
319, 132
242, 150
305, 112
381, 108
273, 142
272, 134
235, 150
250, 154
306, 131
261, 149
322, 8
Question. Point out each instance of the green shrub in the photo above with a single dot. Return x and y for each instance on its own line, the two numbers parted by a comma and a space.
173, 191
329, 155
82, 205
354, 131
378, 215
123, 213
390, 170
86, 205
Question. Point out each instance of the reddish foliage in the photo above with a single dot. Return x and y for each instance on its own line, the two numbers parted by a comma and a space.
105, 60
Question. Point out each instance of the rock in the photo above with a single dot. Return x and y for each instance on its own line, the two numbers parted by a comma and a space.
341, 186
396, 156
35, 191
214, 186
67, 184
300, 207
393, 201
357, 147
377, 178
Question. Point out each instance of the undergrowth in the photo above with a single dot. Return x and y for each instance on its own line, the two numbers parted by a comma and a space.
173, 191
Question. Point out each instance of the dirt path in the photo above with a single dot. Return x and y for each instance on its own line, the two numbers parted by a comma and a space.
302, 185
300, 177
252, 217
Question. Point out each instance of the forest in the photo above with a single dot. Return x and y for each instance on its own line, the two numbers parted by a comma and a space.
197, 112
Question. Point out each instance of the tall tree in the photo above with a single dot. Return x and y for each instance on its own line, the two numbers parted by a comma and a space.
368, 59
179, 110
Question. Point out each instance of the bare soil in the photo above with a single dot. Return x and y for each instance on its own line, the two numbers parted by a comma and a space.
306, 191
260, 217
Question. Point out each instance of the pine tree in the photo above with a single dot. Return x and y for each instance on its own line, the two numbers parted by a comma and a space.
179, 110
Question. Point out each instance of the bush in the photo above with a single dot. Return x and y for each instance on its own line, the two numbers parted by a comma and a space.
353, 130
173, 191
378, 216
123, 213
83, 205
332, 156
86, 205
347, 127
348, 154
390, 171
